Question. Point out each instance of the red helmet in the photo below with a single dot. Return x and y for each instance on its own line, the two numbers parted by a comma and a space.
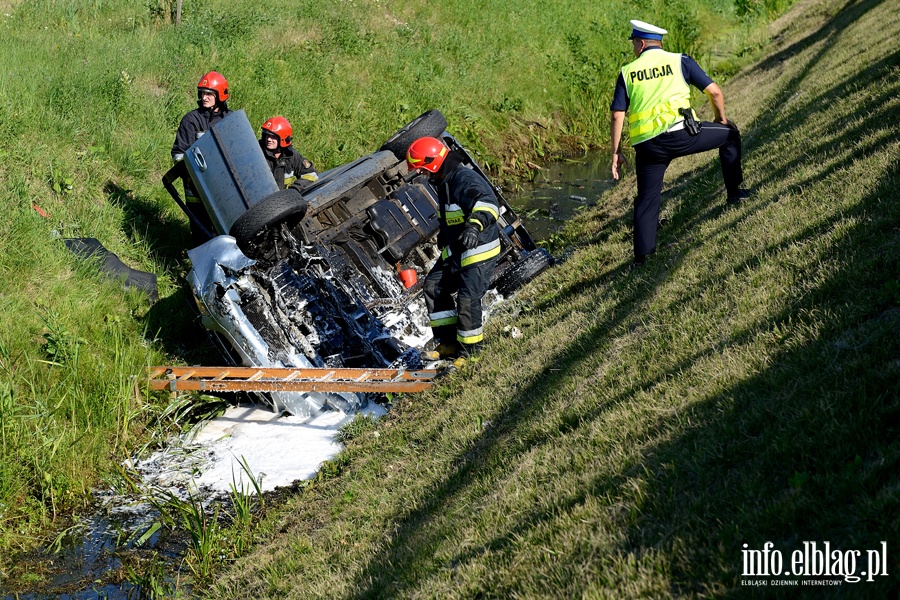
280, 128
216, 83
426, 153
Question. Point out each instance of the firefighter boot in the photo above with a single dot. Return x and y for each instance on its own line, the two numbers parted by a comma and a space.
467, 352
443, 351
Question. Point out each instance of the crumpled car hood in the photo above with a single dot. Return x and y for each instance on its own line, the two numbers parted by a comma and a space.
221, 282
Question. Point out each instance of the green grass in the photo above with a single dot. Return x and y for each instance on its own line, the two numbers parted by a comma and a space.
91, 93
743, 387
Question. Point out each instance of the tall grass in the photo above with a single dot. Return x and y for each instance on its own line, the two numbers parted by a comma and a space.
91, 93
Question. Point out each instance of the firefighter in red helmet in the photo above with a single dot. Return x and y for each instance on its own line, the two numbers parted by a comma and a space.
469, 238
212, 94
288, 166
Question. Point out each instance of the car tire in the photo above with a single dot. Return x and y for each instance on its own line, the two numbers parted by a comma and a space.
428, 124
530, 266
266, 214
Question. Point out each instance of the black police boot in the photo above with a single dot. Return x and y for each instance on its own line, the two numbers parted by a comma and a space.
739, 196
641, 259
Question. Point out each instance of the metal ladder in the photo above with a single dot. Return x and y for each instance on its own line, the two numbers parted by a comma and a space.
252, 379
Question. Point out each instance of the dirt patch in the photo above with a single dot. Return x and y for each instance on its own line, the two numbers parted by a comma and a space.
273, 37
150, 86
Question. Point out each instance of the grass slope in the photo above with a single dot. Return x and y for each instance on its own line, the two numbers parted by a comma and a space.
743, 387
91, 93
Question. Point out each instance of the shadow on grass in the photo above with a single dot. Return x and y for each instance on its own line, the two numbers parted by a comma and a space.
168, 238
804, 450
173, 323
851, 12
418, 534
172, 320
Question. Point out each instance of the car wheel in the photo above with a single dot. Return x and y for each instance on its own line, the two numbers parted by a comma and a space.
266, 214
532, 264
429, 124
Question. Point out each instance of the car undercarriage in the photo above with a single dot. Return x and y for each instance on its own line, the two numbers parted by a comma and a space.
328, 276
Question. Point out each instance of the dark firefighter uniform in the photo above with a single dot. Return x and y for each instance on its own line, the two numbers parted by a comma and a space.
653, 89
289, 167
193, 125
466, 198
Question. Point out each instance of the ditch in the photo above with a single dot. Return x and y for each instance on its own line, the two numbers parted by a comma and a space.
559, 191
121, 551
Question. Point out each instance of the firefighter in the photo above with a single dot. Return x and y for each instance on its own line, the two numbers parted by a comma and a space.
655, 89
470, 240
288, 166
212, 94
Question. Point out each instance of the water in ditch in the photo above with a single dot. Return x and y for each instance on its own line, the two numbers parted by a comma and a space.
558, 192
100, 555
123, 551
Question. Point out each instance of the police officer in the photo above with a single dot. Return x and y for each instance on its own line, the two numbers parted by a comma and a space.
655, 89
212, 93
470, 240
288, 166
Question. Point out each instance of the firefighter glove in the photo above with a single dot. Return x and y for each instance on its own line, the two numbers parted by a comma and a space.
469, 236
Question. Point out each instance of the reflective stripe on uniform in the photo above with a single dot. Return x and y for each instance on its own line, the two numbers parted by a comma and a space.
443, 317
486, 207
660, 116
473, 336
480, 253
672, 106
454, 214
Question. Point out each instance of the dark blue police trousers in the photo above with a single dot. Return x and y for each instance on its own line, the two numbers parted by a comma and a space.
653, 158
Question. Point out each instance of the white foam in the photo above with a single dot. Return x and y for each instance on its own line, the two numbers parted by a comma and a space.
280, 450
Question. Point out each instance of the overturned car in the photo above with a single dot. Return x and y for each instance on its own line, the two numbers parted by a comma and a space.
329, 275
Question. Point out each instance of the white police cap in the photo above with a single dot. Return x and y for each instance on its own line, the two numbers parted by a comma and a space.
640, 29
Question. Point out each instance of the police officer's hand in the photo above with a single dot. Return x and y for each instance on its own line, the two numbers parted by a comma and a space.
727, 123
469, 236
618, 161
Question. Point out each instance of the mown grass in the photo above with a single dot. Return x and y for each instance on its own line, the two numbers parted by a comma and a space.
743, 387
91, 93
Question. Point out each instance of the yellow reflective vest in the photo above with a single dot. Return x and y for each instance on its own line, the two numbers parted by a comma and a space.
656, 90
